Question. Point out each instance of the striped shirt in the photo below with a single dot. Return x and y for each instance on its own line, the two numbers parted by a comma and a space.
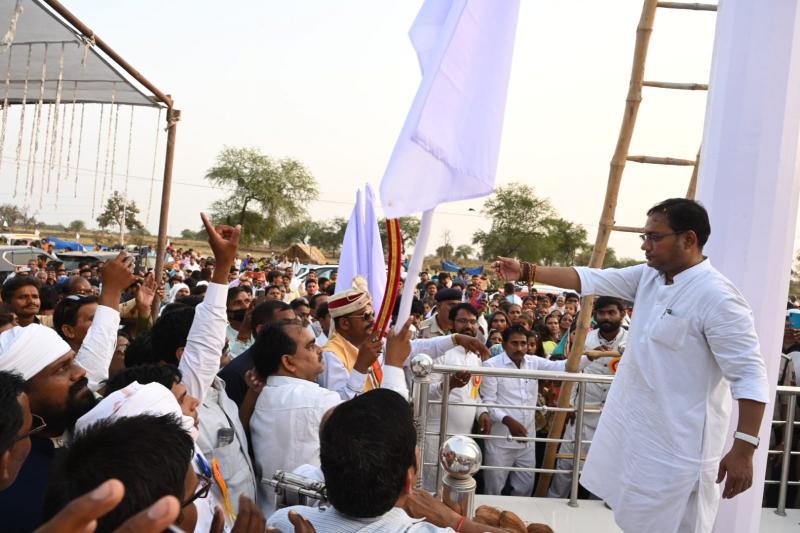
328, 519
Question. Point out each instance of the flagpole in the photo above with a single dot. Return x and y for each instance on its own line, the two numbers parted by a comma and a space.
412, 275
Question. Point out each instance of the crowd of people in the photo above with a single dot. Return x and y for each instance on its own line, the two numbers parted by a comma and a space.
128, 419
126, 414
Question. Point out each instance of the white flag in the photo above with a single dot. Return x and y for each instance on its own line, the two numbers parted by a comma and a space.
450, 142
362, 252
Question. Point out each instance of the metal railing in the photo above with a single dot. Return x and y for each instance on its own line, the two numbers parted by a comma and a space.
786, 453
422, 368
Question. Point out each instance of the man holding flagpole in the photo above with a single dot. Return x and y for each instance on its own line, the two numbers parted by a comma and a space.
657, 454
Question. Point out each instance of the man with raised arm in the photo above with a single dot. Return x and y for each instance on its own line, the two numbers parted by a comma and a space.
657, 452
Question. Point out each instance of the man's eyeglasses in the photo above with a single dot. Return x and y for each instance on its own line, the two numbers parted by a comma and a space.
37, 425
658, 237
466, 321
203, 487
366, 317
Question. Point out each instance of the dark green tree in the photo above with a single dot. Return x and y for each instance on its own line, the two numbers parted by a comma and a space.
409, 229
120, 213
518, 224
264, 193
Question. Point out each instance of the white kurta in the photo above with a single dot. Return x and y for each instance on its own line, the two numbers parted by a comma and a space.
513, 391
596, 394
655, 454
284, 428
459, 417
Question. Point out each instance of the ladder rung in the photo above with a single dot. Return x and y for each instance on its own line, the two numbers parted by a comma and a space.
679, 86
661, 160
627, 229
687, 5
569, 456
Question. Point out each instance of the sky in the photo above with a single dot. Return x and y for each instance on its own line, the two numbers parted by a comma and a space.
330, 83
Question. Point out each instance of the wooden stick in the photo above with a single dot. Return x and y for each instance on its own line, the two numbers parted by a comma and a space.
653, 160
678, 86
601, 353
692, 190
632, 101
628, 229
686, 5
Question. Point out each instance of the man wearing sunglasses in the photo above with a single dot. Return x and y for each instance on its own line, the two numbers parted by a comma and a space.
351, 350
691, 346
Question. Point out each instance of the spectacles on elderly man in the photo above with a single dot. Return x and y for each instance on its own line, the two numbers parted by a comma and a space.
366, 316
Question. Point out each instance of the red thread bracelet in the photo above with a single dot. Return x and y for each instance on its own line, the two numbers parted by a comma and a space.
460, 523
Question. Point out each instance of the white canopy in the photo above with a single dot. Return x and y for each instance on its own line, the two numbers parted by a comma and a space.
39, 36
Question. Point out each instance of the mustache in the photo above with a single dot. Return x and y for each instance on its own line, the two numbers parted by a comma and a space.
78, 386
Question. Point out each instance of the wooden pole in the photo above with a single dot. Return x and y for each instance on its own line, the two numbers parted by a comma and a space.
634, 98
173, 116
692, 190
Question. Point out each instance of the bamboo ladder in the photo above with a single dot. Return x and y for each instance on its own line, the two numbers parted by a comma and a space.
607, 222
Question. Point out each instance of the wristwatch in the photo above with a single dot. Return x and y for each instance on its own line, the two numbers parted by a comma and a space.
747, 438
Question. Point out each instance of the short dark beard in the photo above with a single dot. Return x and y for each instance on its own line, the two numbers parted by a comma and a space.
607, 326
74, 408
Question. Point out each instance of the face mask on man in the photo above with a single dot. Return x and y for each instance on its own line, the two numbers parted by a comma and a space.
238, 315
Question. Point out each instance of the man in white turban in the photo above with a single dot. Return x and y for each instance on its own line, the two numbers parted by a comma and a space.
353, 348
58, 391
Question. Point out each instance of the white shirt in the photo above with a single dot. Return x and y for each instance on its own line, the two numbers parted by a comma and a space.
515, 391
596, 393
199, 363
98, 346
691, 344
459, 417
284, 428
222, 436
336, 377
395, 520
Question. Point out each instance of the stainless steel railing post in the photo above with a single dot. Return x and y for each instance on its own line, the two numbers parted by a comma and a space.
577, 452
460, 457
421, 368
442, 427
788, 433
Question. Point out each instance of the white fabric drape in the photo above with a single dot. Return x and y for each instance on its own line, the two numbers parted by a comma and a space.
748, 181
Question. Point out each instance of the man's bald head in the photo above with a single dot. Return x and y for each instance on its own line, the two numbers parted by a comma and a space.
78, 285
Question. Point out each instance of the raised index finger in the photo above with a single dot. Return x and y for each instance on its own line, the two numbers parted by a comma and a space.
207, 223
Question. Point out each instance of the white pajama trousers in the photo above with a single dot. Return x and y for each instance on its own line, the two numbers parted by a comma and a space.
499, 455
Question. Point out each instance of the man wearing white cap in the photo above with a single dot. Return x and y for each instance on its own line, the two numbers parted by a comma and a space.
58, 391
351, 350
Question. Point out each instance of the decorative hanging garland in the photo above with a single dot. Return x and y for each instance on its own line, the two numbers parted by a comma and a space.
153, 172
108, 143
44, 155
112, 179
5, 108
22, 120
56, 116
33, 147
78, 157
97, 159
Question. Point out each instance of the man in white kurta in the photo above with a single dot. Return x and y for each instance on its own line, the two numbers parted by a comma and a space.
464, 388
510, 422
692, 345
287, 415
608, 336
